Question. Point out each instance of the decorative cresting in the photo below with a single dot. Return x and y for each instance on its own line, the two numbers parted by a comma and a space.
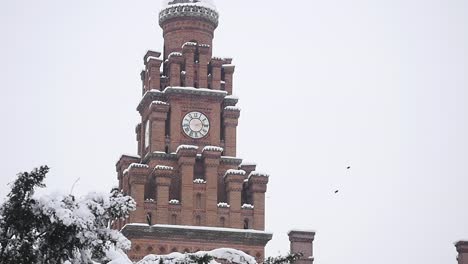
189, 10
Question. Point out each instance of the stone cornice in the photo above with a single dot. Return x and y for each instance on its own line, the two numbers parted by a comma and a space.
194, 91
192, 11
195, 235
148, 98
231, 160
159, 156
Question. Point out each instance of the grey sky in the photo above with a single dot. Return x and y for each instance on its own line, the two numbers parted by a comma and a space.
378, 85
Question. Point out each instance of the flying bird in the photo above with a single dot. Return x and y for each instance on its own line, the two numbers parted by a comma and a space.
349, 167
337, 191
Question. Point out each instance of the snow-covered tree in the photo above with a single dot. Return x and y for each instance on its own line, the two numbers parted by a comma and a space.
56, 229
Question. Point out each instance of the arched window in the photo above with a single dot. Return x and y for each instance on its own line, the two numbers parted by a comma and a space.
149, 218
198, 201
173, 219
198, 220
222, 222
246, 224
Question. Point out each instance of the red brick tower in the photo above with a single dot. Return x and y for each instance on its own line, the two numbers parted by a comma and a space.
192, 192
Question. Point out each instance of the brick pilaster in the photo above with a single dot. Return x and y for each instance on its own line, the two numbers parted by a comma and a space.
188, 50
231, 120
158, 116
234, 181
211, 157
137, 181
205, 57
216, 64
163, 176
258, 186
175, 62
228, 77
186, 161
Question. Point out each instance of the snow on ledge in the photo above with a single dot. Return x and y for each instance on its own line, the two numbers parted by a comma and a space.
213, 148
204, 3
186, 147
223, 205
199, 181
158, 103
222, 229
135, 165
259, 174
162, 167
235, 172
301, 230
193, 89
232, 108
174, 201
247, 206
248, 163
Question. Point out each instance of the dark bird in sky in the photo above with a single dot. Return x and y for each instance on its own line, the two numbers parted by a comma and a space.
337, 191
349, 167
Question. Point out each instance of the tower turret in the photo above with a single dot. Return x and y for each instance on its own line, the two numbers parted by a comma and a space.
185, 21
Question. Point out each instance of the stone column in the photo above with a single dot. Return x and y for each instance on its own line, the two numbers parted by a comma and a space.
216, 73
204, 51
211, 158
175, 61
189, 50
137, 180
302, 242
234, 180
163, 176
462, 249
228, 77
258, 186
186, 161
158, 115
231, 119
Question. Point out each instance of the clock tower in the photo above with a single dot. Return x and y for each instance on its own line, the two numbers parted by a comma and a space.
192, 191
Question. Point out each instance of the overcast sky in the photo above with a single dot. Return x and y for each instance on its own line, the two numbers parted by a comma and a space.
378, 85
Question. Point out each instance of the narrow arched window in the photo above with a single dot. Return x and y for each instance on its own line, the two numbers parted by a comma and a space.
198, 220
198, 201
246, 224
174, 219
222, 222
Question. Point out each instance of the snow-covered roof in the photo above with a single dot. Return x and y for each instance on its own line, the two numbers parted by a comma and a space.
204, 3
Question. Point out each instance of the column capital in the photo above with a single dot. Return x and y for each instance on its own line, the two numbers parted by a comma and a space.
258, 181
229, 68
212, 153
186, 154
151, 55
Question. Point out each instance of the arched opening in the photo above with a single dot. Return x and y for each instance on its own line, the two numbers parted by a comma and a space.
246, 224
222, 222
198, 220
173, 219
149, 218
198, 201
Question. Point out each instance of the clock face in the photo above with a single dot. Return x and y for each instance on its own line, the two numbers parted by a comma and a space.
196, 125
